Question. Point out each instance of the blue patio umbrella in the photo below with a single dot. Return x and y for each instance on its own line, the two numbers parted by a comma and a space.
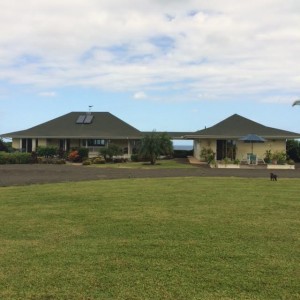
252, 138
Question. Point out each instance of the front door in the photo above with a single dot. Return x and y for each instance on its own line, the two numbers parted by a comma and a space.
226, 149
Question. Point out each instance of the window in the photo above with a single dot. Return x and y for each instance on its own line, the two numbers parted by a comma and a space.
96, 142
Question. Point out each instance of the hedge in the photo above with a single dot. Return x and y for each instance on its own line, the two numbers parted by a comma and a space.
15, 158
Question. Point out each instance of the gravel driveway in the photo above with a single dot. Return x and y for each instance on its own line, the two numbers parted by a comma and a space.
32, 174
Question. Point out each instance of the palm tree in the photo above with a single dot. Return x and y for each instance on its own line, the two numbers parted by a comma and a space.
153, 145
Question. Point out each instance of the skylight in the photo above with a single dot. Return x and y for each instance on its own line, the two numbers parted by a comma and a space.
85, 119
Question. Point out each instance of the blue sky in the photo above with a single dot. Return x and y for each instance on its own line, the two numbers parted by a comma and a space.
166, 65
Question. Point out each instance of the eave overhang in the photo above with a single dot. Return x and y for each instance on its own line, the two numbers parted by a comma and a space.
230, 137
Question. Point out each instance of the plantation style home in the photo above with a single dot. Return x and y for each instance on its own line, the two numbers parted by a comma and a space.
94, 130
226, 139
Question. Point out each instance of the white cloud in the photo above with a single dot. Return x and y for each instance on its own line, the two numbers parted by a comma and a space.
216, 47
139, 96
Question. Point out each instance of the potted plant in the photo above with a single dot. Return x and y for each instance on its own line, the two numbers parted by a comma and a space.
279, 157
268, 156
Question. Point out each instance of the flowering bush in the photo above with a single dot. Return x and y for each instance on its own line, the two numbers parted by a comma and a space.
74, 156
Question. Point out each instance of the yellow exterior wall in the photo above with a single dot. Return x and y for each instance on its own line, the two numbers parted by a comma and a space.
242, 148
75, 143
42, 142
201, 144
259, 148
16, 144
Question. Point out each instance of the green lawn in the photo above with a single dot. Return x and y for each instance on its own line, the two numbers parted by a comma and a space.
179, 238
160, 164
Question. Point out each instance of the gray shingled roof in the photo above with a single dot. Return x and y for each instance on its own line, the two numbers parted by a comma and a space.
172, 134
104, 125
237, 126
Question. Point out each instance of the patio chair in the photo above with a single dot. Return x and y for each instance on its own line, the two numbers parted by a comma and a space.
252, 159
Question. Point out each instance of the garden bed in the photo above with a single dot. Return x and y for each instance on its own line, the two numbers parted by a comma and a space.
280, 167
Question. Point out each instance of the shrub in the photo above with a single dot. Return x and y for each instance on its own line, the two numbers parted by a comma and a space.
86, 162
62, 154
226, 161
98, 160
47, 151
15, 158
183, 153
207, 154
83, 153
51, 160
268, 156
78, 154
279, 156
74, 156
3, 146
3, 158
119, 160
293, 150
59, 161
111, 151
236, 161
134, 157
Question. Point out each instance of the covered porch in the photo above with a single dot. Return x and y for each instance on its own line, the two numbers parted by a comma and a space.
94, 144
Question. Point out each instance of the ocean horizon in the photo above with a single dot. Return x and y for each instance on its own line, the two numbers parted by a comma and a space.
183, 147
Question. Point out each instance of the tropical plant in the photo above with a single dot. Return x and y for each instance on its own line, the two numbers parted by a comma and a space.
226, 160
153, 145
166, 144
268, 156
279, 156
207, 154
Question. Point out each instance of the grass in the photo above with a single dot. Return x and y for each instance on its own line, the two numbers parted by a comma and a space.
160, 164
179, 238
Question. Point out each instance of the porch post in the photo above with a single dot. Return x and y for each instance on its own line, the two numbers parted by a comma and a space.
33, 144
129, 148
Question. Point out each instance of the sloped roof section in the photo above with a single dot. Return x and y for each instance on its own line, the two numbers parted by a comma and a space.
176, 135
102, 125
237, 126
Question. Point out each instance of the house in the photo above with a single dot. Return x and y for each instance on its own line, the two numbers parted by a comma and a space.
224, 139
95, 130
91, 130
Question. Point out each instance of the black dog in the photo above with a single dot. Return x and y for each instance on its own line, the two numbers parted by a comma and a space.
273, 177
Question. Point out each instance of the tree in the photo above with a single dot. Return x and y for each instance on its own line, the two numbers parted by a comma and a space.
3, 146
293, 150
153, 145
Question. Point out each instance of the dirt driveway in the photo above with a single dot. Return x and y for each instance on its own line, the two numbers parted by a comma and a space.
32, 174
